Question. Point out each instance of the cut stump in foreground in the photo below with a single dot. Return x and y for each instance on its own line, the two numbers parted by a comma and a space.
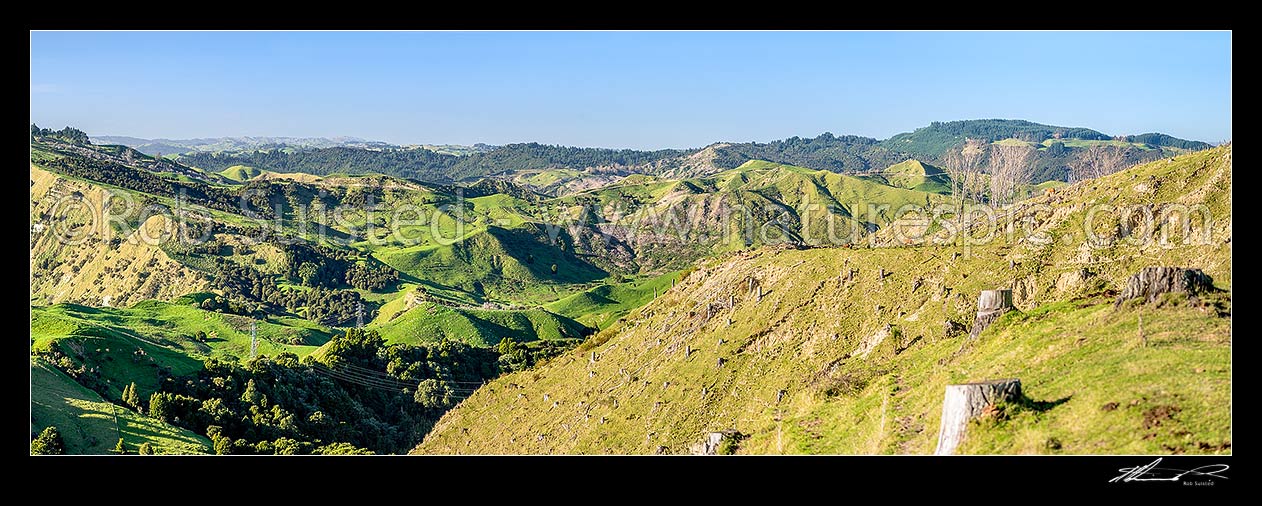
965, 402
991, 304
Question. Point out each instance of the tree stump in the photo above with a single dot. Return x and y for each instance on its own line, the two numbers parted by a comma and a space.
1151, 282
965, 402
991, 304
712, 442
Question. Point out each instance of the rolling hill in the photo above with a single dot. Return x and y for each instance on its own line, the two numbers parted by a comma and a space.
241, 173
914, 175
796, 355
458, 283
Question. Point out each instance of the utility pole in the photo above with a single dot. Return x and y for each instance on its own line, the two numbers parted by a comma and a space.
254, 339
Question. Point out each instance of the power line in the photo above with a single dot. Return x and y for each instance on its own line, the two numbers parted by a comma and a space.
387, 375
370, 382
380, 383
254, 338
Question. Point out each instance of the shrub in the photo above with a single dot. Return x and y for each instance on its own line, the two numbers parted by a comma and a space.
48, 442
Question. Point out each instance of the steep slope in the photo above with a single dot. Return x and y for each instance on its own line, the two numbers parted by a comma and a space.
78, 256
815, 360
668, 224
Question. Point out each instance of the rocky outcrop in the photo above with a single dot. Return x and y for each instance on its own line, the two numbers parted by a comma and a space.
1151, 282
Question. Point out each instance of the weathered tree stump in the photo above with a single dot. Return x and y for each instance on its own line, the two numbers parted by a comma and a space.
991, 304
711, 444
1150, 282
965, 402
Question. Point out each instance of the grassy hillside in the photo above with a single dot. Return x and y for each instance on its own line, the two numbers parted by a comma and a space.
241, 173
91, 425
81, 258
599, 307
427, 322
914, 175
862, 360
153, 340
668, 224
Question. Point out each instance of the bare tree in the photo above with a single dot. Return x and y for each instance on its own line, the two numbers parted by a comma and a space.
1097, 161
964, 165
1010, 170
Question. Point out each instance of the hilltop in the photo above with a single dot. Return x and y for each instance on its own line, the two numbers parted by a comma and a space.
797, 355
914, 175
934, 140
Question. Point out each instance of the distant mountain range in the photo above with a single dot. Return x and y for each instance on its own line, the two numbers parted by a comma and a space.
558, 169
162, 147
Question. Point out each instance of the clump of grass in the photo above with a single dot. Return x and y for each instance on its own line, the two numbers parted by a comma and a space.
731, 443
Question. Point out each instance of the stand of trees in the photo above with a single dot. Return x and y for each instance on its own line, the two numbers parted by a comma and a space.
847, 153
148, 182
68, 134
362, 395
256, 293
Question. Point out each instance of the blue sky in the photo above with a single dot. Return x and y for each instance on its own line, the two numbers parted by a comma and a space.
623, 89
